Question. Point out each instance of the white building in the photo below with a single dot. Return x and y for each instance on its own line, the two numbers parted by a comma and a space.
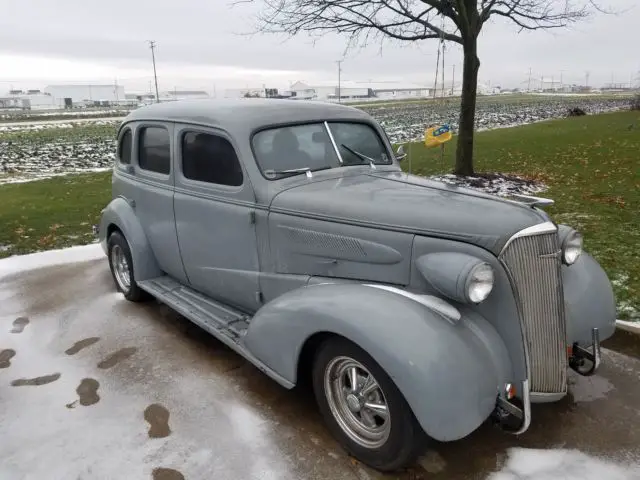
355, 91
86, 94
172, 95
28, 100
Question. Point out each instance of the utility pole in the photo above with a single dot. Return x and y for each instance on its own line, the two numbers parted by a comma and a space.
587, 79
529, 84
152, 45
453, 81
339, 62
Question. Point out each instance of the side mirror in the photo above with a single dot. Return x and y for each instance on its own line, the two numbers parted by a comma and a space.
400, 154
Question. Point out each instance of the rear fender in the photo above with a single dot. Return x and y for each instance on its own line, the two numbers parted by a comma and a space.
449, 371
121, 215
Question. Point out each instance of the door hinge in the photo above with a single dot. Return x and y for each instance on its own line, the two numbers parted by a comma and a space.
252, 217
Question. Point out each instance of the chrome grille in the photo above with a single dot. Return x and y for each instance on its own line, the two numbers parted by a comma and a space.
533, 263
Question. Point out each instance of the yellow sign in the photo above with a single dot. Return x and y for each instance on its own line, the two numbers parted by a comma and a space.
436, 136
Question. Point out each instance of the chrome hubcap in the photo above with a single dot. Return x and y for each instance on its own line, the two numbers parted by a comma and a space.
120, 268
357, 402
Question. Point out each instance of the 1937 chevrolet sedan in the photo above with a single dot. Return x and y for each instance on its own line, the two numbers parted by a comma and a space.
288, 230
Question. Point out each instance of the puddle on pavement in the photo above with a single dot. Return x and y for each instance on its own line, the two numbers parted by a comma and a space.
161, 473
117, 357
6, 356
87, 342
33, 382
87, 392
158, 418
19, 324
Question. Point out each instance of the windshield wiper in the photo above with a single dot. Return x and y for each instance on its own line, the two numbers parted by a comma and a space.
361, 156
271, 173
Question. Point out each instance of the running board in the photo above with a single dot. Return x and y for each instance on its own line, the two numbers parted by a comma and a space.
223, 322
209, 314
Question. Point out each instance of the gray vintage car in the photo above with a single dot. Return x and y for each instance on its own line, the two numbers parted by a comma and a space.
417, 310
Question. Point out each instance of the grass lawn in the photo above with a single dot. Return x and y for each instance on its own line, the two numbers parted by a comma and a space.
592, 167
591, 164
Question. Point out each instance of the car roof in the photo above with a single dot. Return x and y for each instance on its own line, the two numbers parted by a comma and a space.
245, 114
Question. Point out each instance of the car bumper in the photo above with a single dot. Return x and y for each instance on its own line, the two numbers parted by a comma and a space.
514, 415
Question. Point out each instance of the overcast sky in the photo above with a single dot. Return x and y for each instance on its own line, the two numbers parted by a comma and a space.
200, 45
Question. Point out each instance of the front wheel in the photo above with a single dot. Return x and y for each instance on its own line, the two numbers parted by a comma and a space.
363, 408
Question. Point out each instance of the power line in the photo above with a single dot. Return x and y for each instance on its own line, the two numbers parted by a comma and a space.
152, 45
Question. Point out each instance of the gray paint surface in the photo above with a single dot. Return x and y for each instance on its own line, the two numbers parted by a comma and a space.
257, 246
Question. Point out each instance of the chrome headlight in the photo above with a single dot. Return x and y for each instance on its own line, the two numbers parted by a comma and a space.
461, 277
571, 247
479, 282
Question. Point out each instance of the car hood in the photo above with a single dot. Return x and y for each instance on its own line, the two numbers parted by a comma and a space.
409, 203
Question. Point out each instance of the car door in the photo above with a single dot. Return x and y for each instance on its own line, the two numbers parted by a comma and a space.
146, 180
214, 207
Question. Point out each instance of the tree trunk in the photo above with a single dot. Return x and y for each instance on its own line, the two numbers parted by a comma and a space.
464, 152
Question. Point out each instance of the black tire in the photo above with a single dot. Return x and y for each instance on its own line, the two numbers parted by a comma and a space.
133, 293
405, 439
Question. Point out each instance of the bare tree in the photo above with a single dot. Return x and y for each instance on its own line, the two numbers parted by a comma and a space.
458, 21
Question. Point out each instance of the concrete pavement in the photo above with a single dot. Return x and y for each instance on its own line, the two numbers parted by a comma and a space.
92, 386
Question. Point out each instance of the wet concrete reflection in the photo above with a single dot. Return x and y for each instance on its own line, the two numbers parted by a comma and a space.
117, 357
166, 474
88, 392
81, 344
34, 382
158, 418
5, 357
19, 324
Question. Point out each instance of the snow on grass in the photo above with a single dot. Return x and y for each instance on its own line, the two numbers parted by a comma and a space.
406, 122
23, 263
539, 464
29, 126
28, 160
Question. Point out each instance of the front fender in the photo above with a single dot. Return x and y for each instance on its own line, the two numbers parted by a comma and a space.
589, 300
120, 214
449, 371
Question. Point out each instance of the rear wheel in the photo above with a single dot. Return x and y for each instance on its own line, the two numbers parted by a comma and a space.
121, 265
363, 408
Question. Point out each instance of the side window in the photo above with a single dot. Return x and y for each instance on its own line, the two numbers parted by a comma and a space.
124, 147
155, 151
210, 158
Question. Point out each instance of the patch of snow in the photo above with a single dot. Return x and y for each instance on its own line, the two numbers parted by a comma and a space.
629, 309
5, 248
540, 464
495, 184
633, 326
620, 280
23, 263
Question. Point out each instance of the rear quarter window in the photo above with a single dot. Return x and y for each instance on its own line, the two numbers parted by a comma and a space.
124, 147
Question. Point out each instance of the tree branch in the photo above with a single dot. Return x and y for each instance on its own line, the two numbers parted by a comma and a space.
403, 20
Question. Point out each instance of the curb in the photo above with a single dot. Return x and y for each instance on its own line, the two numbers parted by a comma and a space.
632, 327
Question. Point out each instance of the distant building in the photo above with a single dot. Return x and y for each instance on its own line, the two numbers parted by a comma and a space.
28, 100
172, 95
358, 91
80, 95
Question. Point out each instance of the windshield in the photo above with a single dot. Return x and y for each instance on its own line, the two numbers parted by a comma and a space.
290, 150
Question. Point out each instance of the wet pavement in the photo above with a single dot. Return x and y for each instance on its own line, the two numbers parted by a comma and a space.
93, 386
